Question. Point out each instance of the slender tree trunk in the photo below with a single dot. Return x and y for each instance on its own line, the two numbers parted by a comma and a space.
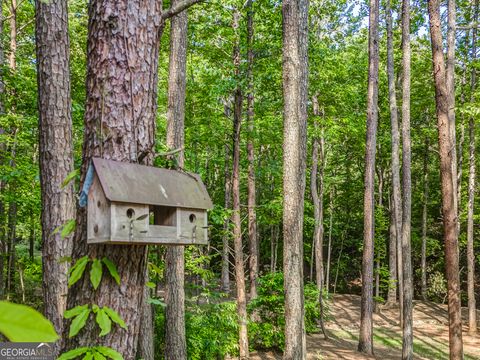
365, 343
31, 237
448, 191
377, 257
338, 264
56, 154
175, 341
2, 159
120, 117
317, 199
295, 92
226, 223
329, 246
397, 197
472, 311
392, 257
11, 239
252, 217
424, 221
12, 57
407, 343
237, 231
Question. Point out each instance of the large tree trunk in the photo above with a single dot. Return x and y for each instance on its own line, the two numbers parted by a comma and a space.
450, 84
237, 223
397, 197
365, 343
424, 222
472, 311
175, 342
448, 191
56, 154
407, 323
295, 92
122, 64
252, 217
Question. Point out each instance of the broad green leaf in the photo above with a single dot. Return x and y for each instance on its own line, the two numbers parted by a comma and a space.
88, 356
95, 308
20, 323
76, 271
79, 322
68, 228
112, 269
104, 322
96, 273
73, 354
150, 284
70, 177
109, 352
114, 316
75, 311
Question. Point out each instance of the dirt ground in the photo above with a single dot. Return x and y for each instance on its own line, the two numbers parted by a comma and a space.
430, 333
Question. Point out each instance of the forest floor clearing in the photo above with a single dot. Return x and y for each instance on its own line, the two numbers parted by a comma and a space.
430, 325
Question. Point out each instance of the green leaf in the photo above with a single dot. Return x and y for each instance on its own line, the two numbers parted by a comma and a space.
88, 356
98, 356
150, 284
20, 323
156, 302
109, 352
68, 228
76, 271
104, 322
96, 273
75, 311
70, 177
114, 316
79, 322
95, 308
112, 269
72, 354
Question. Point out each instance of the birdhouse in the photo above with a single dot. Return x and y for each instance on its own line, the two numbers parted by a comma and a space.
136, 204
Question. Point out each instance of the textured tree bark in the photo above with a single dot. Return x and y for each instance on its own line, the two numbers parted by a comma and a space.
175, 342
450, 83
424, 222
56, 154
122, 66
407, 323
448, 205
318, 150
365, 343
295, 92
237, 223
3, 147
251, 201
12, 57
472, 312
397, 197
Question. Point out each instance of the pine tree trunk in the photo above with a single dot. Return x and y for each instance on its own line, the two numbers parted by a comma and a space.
397, 197
472, 311
365, 343
424, 222
407, 323
392, 257
56, 154
237, 224
175, 341
252, 217
295, 92
448, 205
122, 64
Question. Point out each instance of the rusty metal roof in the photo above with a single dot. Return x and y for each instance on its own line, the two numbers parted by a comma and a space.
139, 184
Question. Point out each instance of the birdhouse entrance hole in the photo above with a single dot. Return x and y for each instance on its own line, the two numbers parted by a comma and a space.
163, 215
